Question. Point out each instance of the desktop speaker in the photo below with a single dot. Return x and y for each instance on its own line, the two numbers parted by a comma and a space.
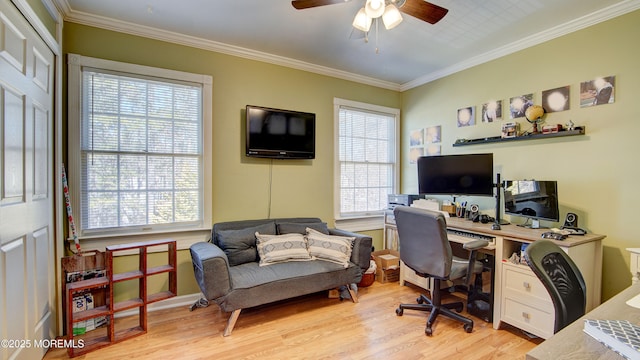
571, 220
474, 209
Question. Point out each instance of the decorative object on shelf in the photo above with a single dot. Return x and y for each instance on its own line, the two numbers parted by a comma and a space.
570, 125
551, 129
510, 130
534, 114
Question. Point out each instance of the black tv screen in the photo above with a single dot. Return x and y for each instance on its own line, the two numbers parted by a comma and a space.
469, 174
280, 134
532, 199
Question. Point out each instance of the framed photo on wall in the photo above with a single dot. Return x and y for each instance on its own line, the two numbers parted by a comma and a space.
598, 91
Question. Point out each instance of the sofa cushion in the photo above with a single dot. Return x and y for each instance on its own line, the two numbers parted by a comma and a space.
240, 245
332, 248
274, 249
301, 228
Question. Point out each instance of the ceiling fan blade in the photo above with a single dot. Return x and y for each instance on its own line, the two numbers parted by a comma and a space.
305, 4
423, 10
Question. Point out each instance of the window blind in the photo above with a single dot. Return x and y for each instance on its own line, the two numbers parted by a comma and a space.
141, 151
367, 160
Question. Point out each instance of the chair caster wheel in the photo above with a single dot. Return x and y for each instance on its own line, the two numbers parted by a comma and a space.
399, 311
468, 328
428, 331
420, 300
459, 308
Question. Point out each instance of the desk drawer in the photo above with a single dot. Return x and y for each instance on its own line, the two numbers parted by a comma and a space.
528, 318
408, 275
520, 280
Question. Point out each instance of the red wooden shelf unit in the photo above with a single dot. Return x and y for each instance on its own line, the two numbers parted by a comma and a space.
141, 275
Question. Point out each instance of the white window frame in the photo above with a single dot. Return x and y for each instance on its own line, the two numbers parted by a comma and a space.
193, 232
372, 221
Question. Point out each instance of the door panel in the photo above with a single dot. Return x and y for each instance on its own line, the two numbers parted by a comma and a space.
27, 247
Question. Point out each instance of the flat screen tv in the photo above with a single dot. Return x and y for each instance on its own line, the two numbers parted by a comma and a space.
533, 199
469, 174
280, 134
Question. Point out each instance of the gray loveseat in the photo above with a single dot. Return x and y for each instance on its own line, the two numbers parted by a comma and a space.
229, 272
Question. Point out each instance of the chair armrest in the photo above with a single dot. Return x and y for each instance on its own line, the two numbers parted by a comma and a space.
361, 252
211, 269
475, 245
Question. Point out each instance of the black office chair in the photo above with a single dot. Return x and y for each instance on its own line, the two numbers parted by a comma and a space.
425, 248
562, 279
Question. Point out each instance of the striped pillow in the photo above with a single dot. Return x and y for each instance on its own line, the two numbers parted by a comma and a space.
332, 248
274, 249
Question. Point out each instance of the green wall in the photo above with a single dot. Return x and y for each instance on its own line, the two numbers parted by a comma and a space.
43, 14
240, 184
598, 173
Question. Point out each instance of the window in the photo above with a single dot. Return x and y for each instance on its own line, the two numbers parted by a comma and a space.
366, 158
138, 143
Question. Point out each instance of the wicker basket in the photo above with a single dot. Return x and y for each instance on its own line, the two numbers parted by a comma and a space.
367, 279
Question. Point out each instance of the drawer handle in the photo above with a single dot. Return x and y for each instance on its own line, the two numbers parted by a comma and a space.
526, 315
526, 285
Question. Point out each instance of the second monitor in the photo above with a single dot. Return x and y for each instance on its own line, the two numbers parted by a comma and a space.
533, 199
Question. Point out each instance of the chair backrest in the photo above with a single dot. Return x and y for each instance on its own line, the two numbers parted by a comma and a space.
562, 279
424, 246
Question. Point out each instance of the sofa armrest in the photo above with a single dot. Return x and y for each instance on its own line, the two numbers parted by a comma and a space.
211, 269
361, 253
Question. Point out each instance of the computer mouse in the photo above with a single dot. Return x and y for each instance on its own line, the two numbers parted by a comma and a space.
553, 235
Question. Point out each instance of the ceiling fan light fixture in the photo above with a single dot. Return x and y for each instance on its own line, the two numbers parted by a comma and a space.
391, 17
374, 8
362, 21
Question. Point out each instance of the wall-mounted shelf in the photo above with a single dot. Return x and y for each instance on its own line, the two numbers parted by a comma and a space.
497, 139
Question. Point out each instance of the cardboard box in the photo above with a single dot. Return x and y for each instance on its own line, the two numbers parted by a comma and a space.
386, 259
388, 265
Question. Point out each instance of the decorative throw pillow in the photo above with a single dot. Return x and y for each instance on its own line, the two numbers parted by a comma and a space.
280, 248
301, 228
332, 248
240, 245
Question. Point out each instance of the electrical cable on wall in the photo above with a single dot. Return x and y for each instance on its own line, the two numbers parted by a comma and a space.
270, 188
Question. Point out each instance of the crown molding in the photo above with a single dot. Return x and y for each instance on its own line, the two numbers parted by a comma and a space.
535, 39
192, 41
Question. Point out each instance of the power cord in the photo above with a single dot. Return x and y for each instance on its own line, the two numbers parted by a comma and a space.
201, 303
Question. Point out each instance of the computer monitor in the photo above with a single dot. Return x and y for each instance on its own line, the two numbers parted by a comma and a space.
533, 199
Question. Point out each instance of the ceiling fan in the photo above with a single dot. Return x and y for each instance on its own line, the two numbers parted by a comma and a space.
419, 9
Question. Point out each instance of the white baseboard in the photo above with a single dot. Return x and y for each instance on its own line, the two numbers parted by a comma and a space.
176, 301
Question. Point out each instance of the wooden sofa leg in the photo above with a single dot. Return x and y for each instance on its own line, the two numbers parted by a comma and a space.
353, 292
231, 322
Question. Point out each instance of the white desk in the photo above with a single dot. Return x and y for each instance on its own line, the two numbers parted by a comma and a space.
572, 343
519, 298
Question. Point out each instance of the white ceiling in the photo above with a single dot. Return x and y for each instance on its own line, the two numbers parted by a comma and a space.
322, 40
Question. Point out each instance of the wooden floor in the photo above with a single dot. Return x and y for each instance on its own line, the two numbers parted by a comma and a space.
316, 327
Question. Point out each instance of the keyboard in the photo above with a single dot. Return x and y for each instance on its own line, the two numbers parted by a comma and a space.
462, 236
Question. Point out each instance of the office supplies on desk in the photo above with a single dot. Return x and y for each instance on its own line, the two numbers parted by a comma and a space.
620, 336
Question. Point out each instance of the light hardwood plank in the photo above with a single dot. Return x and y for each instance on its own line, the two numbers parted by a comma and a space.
316, 327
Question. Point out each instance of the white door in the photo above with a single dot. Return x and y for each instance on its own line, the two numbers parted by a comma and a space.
27, 263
